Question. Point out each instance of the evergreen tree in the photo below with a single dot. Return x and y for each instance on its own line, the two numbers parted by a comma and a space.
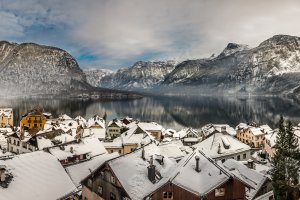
104, 116
285, 162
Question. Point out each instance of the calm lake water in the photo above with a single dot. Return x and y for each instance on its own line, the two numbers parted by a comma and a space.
171, 112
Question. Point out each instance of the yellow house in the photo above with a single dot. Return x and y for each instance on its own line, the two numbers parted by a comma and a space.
6, 117
34, 120
253, 136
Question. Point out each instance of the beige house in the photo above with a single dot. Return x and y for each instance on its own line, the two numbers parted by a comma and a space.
114, 128
253, 136
128, 141
6, 117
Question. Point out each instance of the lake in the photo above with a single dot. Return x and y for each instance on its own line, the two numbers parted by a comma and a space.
171, 111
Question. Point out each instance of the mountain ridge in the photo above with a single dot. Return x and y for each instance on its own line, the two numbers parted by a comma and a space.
238, 69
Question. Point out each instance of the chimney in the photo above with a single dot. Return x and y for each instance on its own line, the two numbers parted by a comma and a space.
71, 149
197, 158
219, 149
2, 173
143, 154
223, 129
151, 171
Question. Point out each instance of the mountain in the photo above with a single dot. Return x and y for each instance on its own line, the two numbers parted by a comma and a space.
94, 76
140, 75
30, 69
272, 68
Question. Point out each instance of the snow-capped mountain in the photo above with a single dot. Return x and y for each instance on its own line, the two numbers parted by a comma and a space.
272, 67
140, 75
94, 76
30, 69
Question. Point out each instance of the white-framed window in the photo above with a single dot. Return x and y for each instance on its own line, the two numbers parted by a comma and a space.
99, 189
220, 192
112, 179
90, 182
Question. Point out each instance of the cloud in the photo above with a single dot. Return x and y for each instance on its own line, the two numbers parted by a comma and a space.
9, 26
118, 32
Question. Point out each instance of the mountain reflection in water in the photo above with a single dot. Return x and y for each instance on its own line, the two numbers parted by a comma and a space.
172, 112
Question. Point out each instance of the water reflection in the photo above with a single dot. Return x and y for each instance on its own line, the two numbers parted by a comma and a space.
172, 112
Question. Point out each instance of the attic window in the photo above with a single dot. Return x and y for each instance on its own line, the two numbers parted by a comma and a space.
167, 195
220, 192
90, 182
112, 180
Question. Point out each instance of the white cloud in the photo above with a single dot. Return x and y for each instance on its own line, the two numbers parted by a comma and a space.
9, 26
122, 30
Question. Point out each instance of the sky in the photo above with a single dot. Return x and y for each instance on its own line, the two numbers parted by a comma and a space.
113, 34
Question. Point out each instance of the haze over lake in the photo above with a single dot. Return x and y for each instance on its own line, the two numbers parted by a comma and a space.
171, 111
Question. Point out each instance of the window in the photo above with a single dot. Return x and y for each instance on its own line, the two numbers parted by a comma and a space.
111, 151
238, 157
167, 195
220, 192
90, 182
244, 156
112, 196
112, 180
85, 198
99, 190
18, 143
119, 151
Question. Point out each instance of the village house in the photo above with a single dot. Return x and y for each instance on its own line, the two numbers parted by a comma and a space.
210, 129
270, 141
153, 128
6, 117
221, 146
129, 176
21, 142
151, 175
78, 151
129, 140
187, 136
260, 184
36, 175
96, 126
114, 128
33, 121
253, 136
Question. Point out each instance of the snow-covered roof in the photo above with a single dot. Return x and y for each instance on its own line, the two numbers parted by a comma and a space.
36, 175
210, 177
65, 117
266, 196
271, 138
150, 126
210, 129
94, 145
184, 132
256, 131
115, 121
98, 132
96, 120
247, 175
135, 136
6, 112
135, 181
172, 150
265, 128
228, 145
79, 171
69, 151
43, 142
